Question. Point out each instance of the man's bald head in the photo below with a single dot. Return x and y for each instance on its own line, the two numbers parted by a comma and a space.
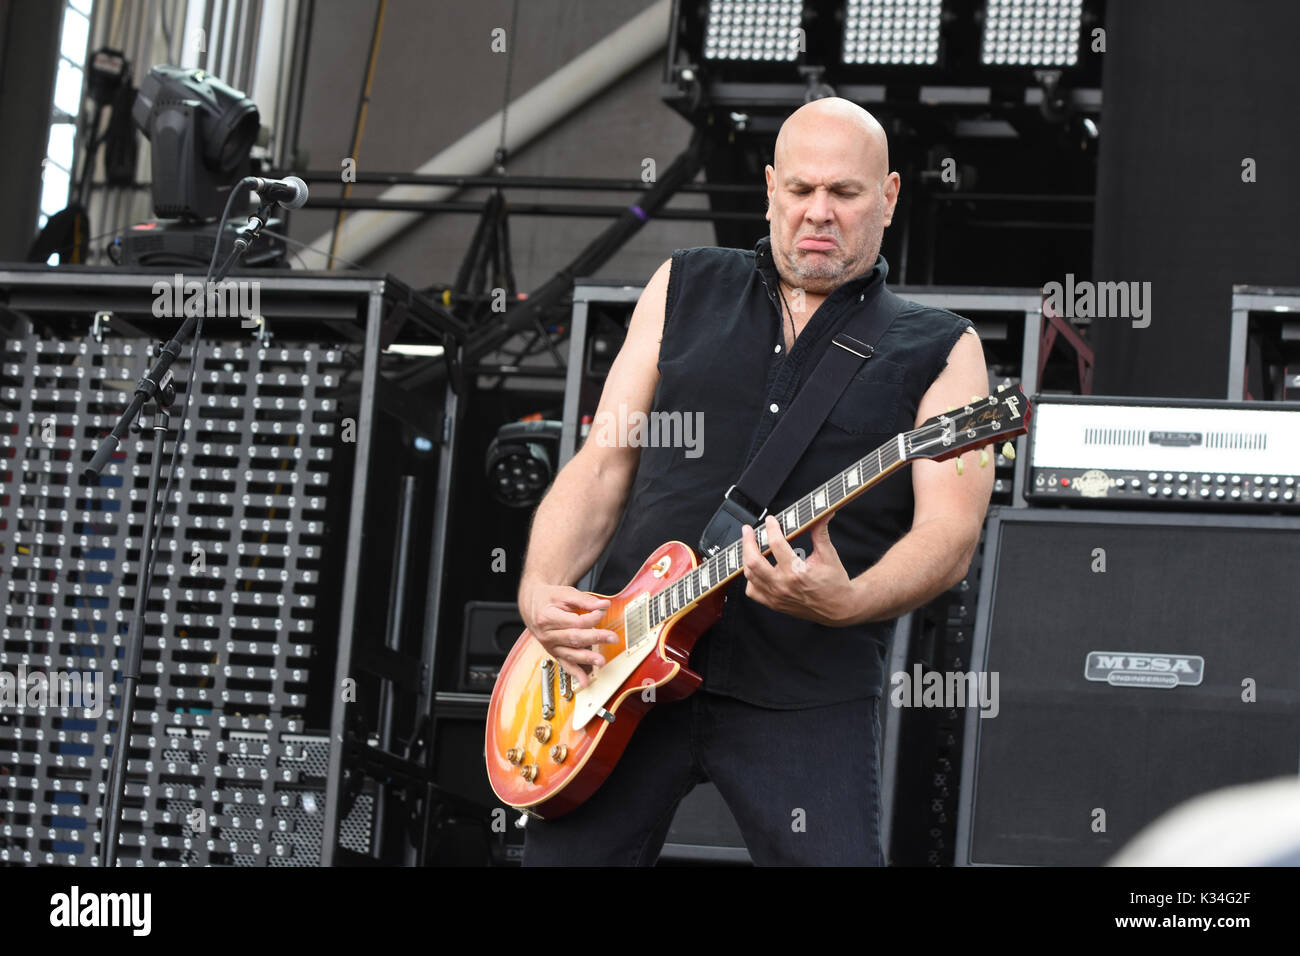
842, 121
830, 194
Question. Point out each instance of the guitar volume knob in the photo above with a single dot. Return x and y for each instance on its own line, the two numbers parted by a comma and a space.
559, 752
542, 733
514, 755
528, 772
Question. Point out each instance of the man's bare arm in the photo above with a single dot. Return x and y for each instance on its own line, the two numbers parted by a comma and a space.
949, 508
933, 556
580, 512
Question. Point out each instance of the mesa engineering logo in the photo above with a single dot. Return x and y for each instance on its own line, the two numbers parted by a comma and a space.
75, 908
1130, 669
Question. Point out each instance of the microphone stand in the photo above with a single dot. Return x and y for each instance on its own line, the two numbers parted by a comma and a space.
154, 394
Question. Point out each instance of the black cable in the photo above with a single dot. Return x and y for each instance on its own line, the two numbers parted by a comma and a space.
190, 387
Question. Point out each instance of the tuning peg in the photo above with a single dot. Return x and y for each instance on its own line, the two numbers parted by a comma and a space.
959, 465
984, 457
1008, 451
1002, 387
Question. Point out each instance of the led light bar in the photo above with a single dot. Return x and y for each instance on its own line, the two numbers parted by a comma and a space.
892, 31
1031, 33
765, 30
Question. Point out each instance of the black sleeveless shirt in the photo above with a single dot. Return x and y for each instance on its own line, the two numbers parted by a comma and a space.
723, 355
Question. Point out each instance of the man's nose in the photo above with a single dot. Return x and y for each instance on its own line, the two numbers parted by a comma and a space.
819, 207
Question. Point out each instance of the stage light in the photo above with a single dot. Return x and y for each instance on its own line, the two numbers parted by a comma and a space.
1031, 33
521, 461
753, 30
892, 31
200, 132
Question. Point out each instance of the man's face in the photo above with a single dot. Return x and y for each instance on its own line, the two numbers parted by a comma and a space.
828, 207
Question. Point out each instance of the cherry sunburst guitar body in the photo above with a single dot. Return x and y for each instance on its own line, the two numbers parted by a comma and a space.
549, 745
656, 671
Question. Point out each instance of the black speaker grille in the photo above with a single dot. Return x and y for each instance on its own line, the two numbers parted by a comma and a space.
1063, 750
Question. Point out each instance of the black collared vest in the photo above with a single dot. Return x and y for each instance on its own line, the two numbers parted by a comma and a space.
723, 355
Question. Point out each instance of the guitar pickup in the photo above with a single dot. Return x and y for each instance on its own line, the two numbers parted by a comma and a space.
548, 689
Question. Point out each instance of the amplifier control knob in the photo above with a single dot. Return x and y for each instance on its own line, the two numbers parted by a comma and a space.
1219, 492
1205, 479
1257, 494
1205, 492
1288, 495
1273, 480
1119, 483
1236, 492
1152, 476
1151, 490
1272, 496
1182, 492
1182, 476
1168, 476
1221, 479
1236, 479
1167, 491
1259, 479
1289, 481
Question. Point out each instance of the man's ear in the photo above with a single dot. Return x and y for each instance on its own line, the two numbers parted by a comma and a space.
889, 192
769, 174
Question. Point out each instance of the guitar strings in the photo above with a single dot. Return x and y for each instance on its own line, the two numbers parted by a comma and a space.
861, 463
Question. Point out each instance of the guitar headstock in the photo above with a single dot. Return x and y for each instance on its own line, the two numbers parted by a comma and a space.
1001, 415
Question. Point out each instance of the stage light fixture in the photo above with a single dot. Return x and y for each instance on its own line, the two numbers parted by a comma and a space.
765, 30
522, 460
892, 31
1031, 33
200, 133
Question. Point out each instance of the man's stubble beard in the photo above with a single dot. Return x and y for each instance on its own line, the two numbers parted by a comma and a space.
824, 274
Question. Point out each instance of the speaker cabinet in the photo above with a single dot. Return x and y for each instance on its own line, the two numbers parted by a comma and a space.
1141, 659
491, 629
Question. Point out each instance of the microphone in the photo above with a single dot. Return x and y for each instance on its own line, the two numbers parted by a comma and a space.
290, 192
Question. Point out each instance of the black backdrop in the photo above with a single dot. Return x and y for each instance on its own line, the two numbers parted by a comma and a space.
1191, 88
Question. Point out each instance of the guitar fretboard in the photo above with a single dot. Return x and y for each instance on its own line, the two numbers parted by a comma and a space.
727, 563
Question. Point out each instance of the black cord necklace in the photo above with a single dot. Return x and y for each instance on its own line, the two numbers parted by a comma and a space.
790, 312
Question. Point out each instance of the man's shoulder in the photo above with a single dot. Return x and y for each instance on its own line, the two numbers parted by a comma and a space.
931, 315
715, 253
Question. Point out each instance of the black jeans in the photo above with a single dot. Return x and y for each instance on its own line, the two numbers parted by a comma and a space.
803, 785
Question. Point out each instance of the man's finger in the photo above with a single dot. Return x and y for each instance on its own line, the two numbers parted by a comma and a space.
576, 671
578, 656
781, 549
756, 566
582, 601
584, 637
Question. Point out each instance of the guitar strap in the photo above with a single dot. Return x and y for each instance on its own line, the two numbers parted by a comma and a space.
746, 501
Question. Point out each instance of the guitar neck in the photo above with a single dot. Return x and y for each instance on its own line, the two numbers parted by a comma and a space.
719, 569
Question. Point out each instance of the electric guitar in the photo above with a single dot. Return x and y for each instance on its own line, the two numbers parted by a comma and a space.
550, 745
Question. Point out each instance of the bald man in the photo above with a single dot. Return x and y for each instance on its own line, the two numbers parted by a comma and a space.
786, 723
